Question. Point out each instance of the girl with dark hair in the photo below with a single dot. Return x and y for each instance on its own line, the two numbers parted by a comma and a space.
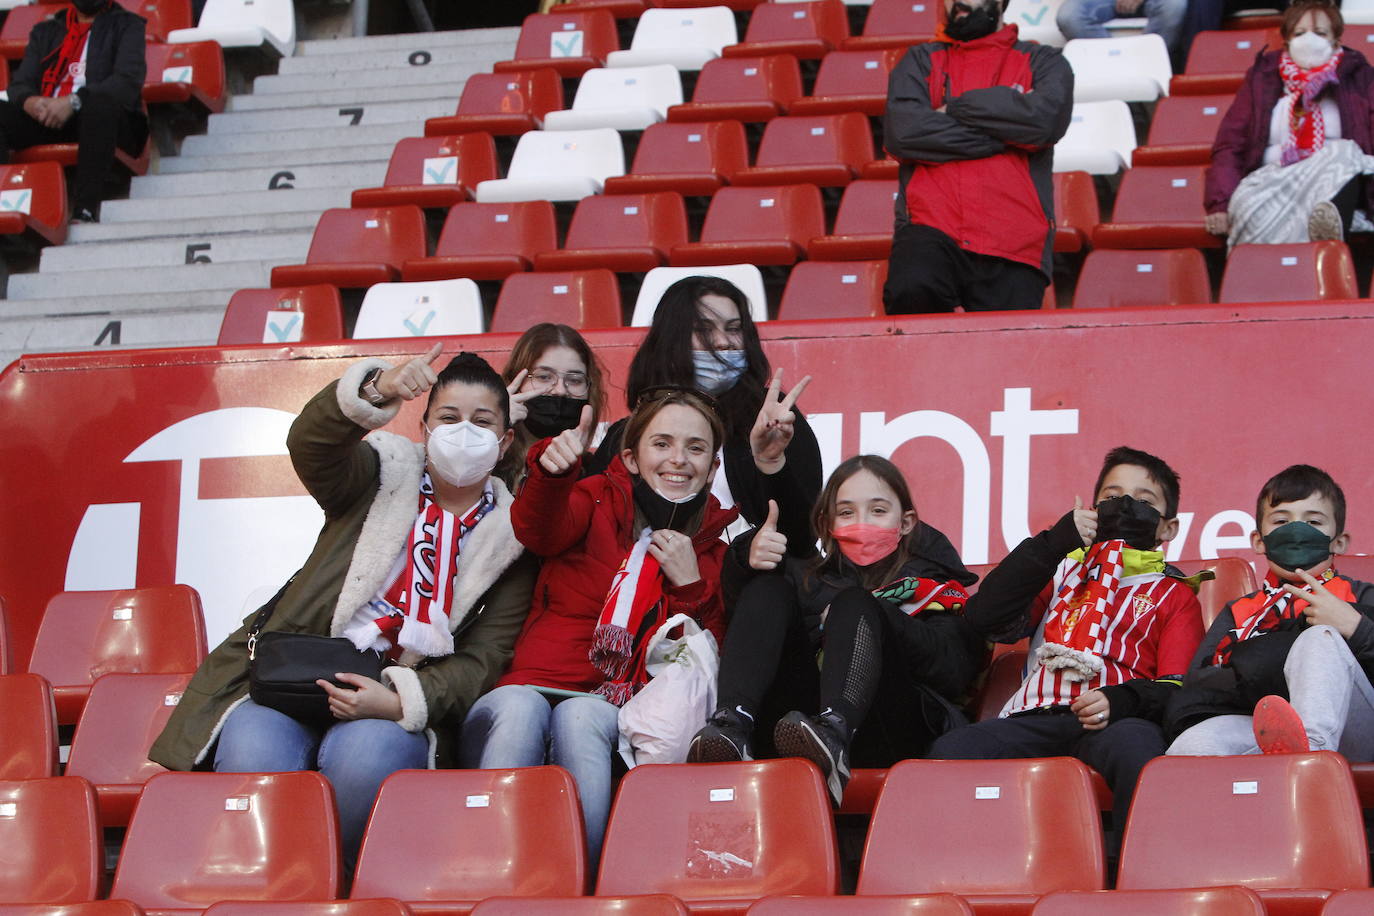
417, 561
886, 598
623, 551
551, 374
702, 336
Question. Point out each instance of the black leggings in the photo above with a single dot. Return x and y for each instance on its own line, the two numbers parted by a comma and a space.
886, 673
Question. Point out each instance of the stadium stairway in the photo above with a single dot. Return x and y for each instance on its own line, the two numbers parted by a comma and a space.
243, 197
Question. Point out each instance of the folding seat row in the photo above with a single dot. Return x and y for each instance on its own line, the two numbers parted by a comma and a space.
269, 25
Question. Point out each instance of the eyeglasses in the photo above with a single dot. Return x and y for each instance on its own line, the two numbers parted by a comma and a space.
574, 382
663, 392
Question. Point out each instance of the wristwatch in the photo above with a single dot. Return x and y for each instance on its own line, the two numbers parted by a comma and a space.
76, 102
368, 389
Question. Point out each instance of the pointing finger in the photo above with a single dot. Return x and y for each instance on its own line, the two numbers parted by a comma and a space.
434, 353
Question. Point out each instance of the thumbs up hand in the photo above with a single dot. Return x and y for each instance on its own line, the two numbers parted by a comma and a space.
410, 379
769, 545
567, 448
1086, 521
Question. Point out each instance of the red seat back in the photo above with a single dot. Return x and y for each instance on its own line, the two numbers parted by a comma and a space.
388, 235
691, 158
1229, 51
834, 289
526, 94
14, 34
1350, 903
198, 838
1158, 207
522, 228
1282, 273
1169, 276
638, 228
180, 72
807, 29
1234, 578
6, 654
826, 150
1005, 674
277, 315
90, 908
163, 16
153, 630
851, 81
1302, 805
863, 225
640, 905
51, 841
1183, 129
1075, 211
899, 23
29, 724
718, 835
378, 907
742, 88
1034, 824
433, 172
580, 298
43, 209
570, 41
923, 905
504, 832
788, 212
1201, 901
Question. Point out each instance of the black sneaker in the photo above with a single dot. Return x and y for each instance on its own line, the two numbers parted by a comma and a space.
819, 740
723, 739
85, 215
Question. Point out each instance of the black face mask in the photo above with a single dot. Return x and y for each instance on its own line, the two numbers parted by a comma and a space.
90, 7
551, 414
663, 513
980, 21
1128, 519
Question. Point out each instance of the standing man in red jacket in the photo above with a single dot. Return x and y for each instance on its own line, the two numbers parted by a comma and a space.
973, 117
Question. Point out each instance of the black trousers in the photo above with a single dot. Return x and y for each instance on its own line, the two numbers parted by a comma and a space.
1119, 752
100, 126
928, 272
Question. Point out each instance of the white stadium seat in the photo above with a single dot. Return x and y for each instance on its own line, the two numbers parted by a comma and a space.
685, 38
557, 165
431, 309
625, 98
1133, 68
244, 24
746, 276
1100, 139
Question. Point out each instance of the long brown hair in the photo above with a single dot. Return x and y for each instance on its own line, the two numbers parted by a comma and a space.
831, 561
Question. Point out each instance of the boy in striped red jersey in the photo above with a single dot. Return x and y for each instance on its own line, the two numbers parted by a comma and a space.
1112, 631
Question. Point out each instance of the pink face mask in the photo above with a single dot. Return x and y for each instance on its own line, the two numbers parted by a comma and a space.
866, 544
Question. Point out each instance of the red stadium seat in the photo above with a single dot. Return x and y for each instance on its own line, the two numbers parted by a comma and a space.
182, 73
824, 150
33, 202
29, 724
571, 42
1005, 674
1201, 901
1284, 273
1158, 207
1234, 578
850, 81
301, 313
923, 905
433, 172
377, 907
502, 104
620, 9
580, 299
503, 833
834, 289
1182, 130
1350, 903
690, 158
863, 226
742, 89
1217, 61
632, 233
64, 154
163, 16
154, 630
861, 794
357, 248
806, 30
125, 714
641, 905
90, 908
1033, 823
14, 34
767, 225
1075, 211
6, 656
487, 241
1299, 809
1167, 276
898, 24
884, 169
51, 841
720, 836
198, 838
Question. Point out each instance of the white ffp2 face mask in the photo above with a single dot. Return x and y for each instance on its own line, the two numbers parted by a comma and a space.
1310, 50
462, 453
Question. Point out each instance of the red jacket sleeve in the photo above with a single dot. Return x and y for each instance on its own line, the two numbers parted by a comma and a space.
551, 514
1181, 633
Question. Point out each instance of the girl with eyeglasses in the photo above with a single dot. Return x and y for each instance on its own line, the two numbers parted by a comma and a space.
622, 551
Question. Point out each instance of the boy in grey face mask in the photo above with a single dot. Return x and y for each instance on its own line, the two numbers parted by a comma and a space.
1287, 668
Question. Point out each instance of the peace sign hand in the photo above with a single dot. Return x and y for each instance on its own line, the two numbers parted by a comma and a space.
566, 449
518, 410
773, 428
1324, 607
410, 379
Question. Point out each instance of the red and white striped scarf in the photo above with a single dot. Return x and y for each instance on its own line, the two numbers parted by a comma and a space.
1073, 623
1306, 125
1270, 606
636, 594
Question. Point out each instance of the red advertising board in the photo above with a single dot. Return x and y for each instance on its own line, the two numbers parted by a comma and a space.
147, 467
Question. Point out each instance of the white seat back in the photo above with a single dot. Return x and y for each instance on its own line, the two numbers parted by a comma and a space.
558, 165
685, 38
431, 309
624, 98
234, 23
1035, 21
746, 276
1100, 139
1132, 68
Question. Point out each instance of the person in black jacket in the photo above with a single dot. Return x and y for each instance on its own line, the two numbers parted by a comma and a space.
702, 336
81, 79
887, 602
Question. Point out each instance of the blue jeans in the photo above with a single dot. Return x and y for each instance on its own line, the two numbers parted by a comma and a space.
1084, 18
354, 756
515, 726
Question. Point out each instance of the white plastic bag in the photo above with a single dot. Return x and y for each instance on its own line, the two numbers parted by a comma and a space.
657, 724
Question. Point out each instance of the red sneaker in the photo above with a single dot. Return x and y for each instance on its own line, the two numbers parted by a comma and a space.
1279, 728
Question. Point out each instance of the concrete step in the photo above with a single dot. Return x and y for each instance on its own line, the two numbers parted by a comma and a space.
368, 79
173, 252
276, 160
285, 140
116, 306
97, 283
349, 96
197, 229
508, 34
413, 113
342, 175
416, 58
301, 200
189, 327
